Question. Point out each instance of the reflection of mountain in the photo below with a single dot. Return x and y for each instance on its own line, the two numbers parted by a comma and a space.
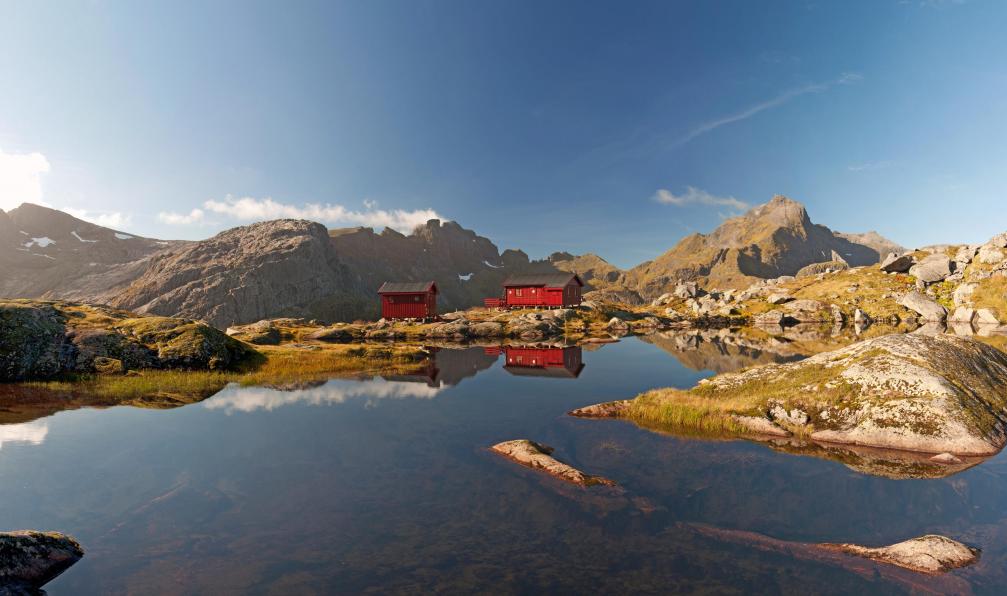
449, 366
543, 361
720, 351
236, 398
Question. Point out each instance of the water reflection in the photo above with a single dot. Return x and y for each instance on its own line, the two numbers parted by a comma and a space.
546, 361
31, 433
235, 398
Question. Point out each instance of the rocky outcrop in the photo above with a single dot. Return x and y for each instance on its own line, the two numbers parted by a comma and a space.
927, 554
539, 457
41, 340
930, 394
29, 560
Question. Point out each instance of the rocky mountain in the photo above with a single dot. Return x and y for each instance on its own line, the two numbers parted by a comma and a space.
45, 253
773, 239
269, 269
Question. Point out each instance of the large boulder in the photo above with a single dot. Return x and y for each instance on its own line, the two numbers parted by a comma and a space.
990, 254
963, 293
826, 267
932, 269
29, 560
927, 308
894, 263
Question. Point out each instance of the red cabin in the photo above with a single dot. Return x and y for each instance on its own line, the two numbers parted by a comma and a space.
549, 289
408, 300
544, 361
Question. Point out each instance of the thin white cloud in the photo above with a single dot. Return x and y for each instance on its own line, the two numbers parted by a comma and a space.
181, 219
21, 178
847, 78
869, 166
252, 209
698, 196
108, 219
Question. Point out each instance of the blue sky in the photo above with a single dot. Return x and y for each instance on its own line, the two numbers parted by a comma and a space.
614, 128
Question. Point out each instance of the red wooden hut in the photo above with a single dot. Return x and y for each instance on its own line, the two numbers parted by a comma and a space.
544, 361
546, 289
408, 300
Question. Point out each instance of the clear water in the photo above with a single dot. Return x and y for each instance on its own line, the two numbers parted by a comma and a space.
386, 487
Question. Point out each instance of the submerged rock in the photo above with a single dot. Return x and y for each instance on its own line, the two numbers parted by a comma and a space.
539, 457
926, 554
29, 560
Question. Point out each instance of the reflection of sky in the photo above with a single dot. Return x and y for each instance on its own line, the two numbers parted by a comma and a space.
32, 433
248, 399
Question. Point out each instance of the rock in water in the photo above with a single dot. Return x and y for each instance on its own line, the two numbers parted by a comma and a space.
926, 554
928, 309
538, 457
29, 560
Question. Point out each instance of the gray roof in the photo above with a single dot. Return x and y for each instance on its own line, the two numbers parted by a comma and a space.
406, 287
549, 280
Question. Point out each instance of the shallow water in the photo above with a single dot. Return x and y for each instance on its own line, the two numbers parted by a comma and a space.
386, 486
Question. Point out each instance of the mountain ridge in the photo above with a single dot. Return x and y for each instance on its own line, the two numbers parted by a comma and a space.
301, 268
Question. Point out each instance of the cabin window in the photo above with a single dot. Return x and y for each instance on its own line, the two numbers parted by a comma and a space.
416, 298
517, 292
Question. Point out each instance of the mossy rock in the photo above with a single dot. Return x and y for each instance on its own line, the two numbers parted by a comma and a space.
181, 343
32, 341
108, 366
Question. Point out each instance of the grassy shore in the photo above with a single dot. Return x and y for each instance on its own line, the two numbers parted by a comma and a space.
272, 366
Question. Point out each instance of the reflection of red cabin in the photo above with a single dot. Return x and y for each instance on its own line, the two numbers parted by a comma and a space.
544, 361
549, 289
409, 300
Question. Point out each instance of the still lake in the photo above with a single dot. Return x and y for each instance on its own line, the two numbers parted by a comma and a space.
385, 486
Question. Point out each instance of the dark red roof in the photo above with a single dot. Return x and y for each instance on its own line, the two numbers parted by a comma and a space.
407, 287
548, 280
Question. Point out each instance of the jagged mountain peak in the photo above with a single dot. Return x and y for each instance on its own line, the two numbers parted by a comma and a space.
782, 211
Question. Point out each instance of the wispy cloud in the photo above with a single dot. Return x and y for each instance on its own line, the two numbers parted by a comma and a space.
181, 219
869, 166
21, 178
847, 78
698, 196
250, 209
108, 219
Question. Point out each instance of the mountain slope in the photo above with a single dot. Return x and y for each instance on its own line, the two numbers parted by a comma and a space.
270, 269
50, 254
773, 239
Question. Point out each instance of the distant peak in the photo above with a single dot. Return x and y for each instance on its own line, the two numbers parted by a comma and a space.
782, 211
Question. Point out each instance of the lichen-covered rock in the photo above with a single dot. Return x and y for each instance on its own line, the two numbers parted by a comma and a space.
332, 334
927, 554
181, 343
826, 267
29, 560
262, 333
539, 457
32, 341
